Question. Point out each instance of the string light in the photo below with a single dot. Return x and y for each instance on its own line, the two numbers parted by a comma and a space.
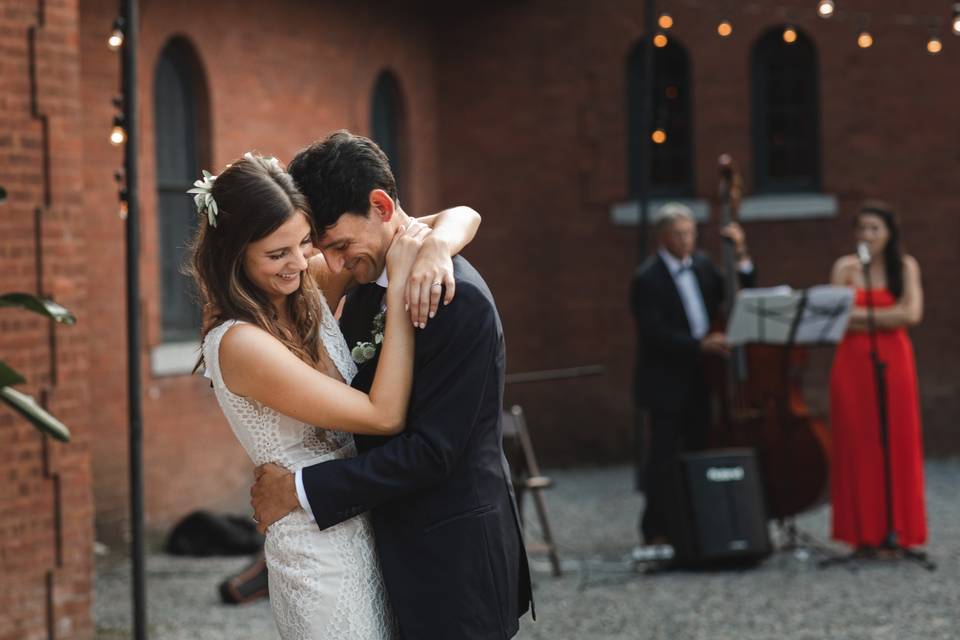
659, 136
826, 8
115, 41
118, 135
789, 35
725, 28
660, 40
665, 21
864, 39
934, 44
955, 19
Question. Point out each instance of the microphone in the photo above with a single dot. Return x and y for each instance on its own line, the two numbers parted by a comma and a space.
863, 253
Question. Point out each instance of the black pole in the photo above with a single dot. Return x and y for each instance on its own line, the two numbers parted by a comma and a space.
646, 119
642, 191
131, 20
880, 380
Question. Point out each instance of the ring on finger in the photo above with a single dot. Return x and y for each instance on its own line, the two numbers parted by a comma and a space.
436, 284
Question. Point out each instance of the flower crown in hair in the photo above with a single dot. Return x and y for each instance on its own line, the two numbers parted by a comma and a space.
203, 197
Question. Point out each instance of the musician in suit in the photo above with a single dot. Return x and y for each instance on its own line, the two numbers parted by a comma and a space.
676, 296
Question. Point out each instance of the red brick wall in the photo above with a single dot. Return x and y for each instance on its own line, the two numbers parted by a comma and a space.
46, 504
533, 130
280, 76
529, 122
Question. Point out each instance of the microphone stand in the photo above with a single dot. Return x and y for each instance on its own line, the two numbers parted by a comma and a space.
890, 548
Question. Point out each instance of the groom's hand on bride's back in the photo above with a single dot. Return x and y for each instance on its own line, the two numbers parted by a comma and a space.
273, 495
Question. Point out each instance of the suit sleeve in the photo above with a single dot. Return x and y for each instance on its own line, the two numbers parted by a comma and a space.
745, 279
456, 362
652, 326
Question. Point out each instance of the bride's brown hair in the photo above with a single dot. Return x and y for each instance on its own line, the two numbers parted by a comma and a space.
254, 196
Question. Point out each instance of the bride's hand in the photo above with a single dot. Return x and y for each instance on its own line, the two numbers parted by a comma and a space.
432, 272
403, 252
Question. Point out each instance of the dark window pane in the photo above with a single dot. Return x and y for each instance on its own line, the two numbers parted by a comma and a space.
785, 119
175, 118
386, 121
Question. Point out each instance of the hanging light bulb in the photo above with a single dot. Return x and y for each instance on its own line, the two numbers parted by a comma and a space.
826, 8
118, 135
934, 44
665, 21
725, 28
660, 40
789, 35
955, 19
864, 39
659, 136
115, 41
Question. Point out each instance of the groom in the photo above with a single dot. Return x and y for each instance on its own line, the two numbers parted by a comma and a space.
446, 524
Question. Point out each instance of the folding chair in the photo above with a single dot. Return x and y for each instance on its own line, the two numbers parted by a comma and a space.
526, 477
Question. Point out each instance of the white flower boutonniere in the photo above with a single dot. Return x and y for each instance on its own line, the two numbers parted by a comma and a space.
364, 351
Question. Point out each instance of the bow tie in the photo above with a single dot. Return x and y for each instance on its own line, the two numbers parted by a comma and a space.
684, 267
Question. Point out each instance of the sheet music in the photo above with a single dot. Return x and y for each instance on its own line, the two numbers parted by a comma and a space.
763, 315
769, 315
825, 315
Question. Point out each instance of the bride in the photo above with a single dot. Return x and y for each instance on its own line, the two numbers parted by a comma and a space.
281, 369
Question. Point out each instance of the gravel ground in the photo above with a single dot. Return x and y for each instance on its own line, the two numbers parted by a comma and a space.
600, 596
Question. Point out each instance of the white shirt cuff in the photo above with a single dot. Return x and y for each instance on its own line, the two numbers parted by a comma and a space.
302, 495
745, 266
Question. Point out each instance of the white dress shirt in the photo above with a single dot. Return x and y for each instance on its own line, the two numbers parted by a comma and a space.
298, 474
690, 295
689, 289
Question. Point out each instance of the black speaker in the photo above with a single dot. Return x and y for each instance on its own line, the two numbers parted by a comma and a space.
719, 519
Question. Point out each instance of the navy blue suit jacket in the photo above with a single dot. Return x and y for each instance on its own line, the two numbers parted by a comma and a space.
443, 510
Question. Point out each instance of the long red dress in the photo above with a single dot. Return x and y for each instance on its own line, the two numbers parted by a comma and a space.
857, 480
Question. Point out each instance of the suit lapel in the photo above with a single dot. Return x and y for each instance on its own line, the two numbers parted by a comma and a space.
701, 269
673, 293
362, 304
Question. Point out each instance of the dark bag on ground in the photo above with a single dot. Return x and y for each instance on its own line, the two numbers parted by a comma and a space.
208, 534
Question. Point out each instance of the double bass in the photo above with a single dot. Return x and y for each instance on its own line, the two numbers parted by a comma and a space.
757, 398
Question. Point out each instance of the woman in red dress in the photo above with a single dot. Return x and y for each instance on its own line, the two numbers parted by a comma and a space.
857, 484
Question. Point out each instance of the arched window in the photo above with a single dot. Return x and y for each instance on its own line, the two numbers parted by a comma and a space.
180, 126
388, 127
672, 162
786, 122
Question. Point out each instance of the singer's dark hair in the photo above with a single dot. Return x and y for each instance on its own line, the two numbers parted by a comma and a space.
892, 253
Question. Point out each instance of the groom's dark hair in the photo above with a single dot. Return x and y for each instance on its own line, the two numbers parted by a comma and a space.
338, 173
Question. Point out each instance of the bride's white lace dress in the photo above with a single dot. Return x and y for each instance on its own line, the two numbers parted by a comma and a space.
323, 584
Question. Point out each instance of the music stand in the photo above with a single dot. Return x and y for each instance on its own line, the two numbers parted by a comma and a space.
783, 316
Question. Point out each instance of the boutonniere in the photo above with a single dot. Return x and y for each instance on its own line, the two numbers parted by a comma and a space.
364, 351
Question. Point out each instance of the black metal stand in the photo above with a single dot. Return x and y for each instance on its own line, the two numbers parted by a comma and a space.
890, 548
799, 543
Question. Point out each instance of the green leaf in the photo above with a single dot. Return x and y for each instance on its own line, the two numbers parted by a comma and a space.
43, 306
8, 376
27, 407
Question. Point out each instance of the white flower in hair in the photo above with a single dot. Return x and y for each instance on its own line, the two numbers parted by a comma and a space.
203, 197
273, 162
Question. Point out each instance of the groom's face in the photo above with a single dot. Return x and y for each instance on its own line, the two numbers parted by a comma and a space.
358, 244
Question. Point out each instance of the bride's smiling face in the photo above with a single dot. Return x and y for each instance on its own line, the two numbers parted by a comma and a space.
276, 262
